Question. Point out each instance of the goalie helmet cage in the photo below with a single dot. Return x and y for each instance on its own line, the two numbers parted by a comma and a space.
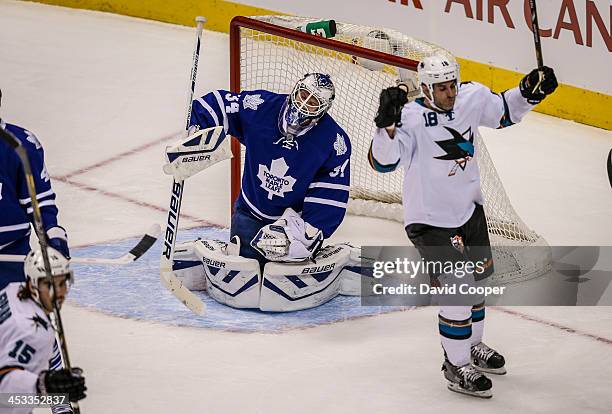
272, 53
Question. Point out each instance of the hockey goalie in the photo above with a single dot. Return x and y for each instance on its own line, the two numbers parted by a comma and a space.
295, 189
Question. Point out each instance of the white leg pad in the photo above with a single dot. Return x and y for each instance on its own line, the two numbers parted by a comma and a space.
230, 279
296, 286
187, 267
356, 281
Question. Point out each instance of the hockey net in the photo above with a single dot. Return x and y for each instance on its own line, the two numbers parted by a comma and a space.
272, 53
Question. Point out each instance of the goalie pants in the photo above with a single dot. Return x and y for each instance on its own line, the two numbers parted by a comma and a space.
459, 326
245, 226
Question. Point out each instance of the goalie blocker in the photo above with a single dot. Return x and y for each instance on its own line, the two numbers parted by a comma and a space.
236, 281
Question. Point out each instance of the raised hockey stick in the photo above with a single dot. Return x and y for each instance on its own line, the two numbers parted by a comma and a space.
167, 276
134, 254
535, 28
42, 240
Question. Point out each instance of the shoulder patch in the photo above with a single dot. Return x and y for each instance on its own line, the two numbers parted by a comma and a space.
340, 145
32, 138
5, 309
252, 101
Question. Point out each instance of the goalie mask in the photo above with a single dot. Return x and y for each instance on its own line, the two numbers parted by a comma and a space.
309, 100
437, 69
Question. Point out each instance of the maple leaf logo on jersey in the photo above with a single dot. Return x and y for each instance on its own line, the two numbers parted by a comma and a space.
252, 102
459, 149
274, 180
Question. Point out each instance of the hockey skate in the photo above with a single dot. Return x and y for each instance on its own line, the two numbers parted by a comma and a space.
467, 380
488, 360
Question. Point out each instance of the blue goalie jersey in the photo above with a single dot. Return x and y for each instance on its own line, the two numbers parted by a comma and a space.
15, 202
310, 173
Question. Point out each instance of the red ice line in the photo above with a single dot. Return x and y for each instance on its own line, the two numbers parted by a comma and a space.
564, 328
67, 179
117, 157
131, 200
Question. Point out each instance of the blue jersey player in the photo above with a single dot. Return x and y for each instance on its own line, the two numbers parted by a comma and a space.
16, 205
295, 185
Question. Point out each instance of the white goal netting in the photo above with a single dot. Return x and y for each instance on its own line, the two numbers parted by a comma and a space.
273, 62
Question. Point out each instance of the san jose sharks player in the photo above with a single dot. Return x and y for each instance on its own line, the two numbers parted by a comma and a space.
16, 206
433, 139
295, 185
30, 361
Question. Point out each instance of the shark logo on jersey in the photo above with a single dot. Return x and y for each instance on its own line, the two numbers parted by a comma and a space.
274, 180
252, 102
340, 145
459, 149
39, 321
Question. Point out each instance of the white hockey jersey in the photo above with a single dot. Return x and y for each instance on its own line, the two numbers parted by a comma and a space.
436, 149
27, 345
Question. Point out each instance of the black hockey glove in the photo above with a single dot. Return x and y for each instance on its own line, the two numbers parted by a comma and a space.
390, 107
63, 382
535, 89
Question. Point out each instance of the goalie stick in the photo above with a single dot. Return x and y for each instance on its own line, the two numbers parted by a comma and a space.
167, 276
39, 228
134, 254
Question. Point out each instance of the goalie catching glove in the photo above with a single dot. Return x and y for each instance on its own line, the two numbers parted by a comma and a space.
538, 84
288, 239
198, 151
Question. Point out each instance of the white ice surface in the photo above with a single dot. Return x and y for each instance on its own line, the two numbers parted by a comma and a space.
94, 85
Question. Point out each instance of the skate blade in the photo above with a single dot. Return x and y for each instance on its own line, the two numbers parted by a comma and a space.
480, 394
495, 371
